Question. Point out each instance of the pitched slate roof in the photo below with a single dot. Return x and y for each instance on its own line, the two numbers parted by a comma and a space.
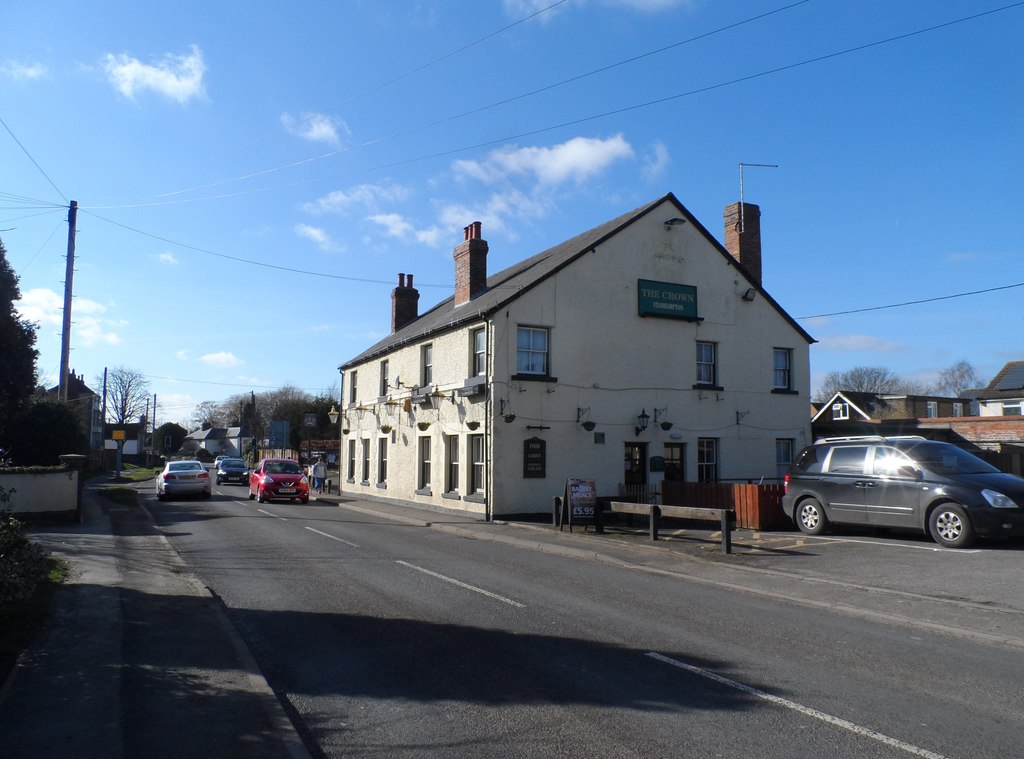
1008, 383
509, 284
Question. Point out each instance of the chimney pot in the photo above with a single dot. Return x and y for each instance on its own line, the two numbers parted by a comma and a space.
470, 265
743, 236
405, 302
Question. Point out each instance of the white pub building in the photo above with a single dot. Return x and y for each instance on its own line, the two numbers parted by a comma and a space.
640, 350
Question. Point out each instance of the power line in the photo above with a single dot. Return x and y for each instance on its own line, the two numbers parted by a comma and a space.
914, 302
33, 160
564, 124
383, 85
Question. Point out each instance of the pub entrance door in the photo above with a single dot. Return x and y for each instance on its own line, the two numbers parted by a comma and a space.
636, 464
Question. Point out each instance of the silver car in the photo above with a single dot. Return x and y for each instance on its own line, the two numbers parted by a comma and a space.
183, 478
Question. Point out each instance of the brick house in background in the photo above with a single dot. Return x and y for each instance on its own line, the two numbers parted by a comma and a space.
86, 405
997, 439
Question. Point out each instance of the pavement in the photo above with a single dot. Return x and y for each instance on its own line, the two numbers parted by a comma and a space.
138, 640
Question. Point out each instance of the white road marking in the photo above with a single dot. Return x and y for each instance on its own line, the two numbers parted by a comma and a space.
333, 537
805, 710
461, 584
892, 544
275, 516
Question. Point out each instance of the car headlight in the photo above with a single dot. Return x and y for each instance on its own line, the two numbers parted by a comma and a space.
997, 500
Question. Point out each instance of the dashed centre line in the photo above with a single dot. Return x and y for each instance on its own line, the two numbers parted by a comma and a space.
332, 537
805, 710
461, 584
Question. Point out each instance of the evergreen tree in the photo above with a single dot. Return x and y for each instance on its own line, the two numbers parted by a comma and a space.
17, 347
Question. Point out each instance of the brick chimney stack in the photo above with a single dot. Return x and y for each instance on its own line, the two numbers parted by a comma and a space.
470, 265
743, 236
405, 303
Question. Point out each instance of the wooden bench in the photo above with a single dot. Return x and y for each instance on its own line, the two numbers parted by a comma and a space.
654, 513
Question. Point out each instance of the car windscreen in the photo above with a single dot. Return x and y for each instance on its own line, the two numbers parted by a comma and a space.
232, 462
283, 467
185, 466
949, 459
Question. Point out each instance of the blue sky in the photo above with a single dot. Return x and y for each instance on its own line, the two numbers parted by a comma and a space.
252, 177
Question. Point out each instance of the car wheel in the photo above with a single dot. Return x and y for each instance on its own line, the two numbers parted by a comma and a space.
161, 497
260, 498
251, 496
305, 500
218, 480
810, 517
950, 526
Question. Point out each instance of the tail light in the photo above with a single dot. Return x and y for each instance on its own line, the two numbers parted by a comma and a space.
785, 484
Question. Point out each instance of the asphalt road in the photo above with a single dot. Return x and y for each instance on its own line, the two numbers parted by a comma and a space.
385, 638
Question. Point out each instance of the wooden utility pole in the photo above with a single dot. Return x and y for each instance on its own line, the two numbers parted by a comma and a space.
69, 288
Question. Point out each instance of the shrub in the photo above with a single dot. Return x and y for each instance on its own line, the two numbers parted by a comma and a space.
22, 563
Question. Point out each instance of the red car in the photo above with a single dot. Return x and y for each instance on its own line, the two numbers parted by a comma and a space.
278, 479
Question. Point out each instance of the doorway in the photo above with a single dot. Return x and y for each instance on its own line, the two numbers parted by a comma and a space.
636, 464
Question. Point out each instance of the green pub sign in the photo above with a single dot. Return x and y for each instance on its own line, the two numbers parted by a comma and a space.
666, 299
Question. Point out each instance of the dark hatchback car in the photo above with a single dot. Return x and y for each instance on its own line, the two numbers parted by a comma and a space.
903, 482
232, 470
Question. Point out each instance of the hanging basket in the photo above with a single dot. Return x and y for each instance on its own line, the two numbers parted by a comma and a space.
473, 425
423, 426
666, 426
385, 428
509, 418
589, 426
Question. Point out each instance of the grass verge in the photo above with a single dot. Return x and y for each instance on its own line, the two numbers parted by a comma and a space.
21, 621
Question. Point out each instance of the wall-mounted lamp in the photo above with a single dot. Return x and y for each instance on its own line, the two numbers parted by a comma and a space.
674, 222
642, 421
750, 294
333, 414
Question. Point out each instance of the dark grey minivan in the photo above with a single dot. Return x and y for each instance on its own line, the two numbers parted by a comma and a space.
904, 482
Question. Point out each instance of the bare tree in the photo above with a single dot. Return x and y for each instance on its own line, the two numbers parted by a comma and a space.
867, 379
127, 394
208, 414
957, 378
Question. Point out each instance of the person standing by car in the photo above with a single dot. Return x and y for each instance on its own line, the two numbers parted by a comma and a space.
319, 472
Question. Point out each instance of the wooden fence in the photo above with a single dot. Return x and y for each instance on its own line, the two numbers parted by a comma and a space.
757, 507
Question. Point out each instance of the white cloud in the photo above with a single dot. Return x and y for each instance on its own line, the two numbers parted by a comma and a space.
656, 161
21, 71
167, 258
223, 358
859, 343
179, 77
89, 326
578, 159
365, 196
314, 127
397, 226
181, 355
317, 236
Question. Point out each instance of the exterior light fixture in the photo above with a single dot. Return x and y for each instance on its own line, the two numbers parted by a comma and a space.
674, 222
750, 294
642, 421
333, 414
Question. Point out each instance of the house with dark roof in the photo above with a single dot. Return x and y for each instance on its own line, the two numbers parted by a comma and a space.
230, 441
850, 412
1004, 395
639, 351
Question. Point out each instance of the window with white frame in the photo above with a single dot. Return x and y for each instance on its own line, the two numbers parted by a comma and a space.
958, 409
382, 460
932, 409
841, 410
451, 475
423, 482
532, 350
707, 369
782, 363
351, 460
352, 392
366, 460
783, 456
1012, 408
427, 365
707, 459
477, 471
385, 385
479, 338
